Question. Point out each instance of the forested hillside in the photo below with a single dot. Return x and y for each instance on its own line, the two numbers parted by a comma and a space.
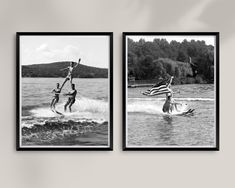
188, 62
53, 70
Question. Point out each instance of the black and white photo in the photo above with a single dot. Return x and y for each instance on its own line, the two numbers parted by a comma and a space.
64, 91
171, 91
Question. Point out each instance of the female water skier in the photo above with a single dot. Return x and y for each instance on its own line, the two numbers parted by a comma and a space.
170, 104
55, 99
72, 96
70, 70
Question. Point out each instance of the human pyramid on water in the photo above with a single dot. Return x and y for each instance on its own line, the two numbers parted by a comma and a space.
71, 95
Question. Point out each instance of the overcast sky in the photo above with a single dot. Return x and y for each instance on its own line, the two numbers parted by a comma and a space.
93, 50
209, 40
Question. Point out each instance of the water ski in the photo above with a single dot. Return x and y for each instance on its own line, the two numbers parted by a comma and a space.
55, 111
59, 113
188, 112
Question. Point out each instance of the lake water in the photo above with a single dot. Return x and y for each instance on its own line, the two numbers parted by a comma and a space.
87, 125
148, 126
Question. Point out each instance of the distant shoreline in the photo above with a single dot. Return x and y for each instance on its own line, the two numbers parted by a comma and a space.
57, 69
151, 85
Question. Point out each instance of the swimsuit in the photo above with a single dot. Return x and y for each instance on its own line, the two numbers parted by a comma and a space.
69, 73
71, 99
57, 94
168, 106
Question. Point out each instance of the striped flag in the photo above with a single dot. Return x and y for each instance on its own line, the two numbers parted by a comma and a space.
158, 89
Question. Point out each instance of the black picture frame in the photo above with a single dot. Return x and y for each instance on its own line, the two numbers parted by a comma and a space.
109, 147
125, 146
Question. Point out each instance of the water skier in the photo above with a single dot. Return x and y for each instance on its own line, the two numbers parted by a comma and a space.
70, 70
55, 99
72, 97
170, 104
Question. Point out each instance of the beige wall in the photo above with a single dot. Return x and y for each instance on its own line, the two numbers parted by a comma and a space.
116, 169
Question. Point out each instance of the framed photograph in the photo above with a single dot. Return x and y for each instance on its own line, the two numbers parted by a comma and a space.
64, 91
171, 91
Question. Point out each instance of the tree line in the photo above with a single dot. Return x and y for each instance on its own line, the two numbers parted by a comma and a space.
188, 61
54, 70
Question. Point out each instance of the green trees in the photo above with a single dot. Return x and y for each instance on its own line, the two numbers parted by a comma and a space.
159, 59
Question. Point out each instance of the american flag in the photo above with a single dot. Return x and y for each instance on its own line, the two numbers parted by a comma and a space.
158, 89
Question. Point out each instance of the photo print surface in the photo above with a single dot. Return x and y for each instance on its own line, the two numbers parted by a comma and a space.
64, 91
171, 91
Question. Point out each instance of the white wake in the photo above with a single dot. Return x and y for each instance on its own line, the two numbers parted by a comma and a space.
82, 108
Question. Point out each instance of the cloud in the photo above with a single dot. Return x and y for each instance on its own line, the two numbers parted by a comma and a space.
47, 54
69, 52
42, 48
71, 49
